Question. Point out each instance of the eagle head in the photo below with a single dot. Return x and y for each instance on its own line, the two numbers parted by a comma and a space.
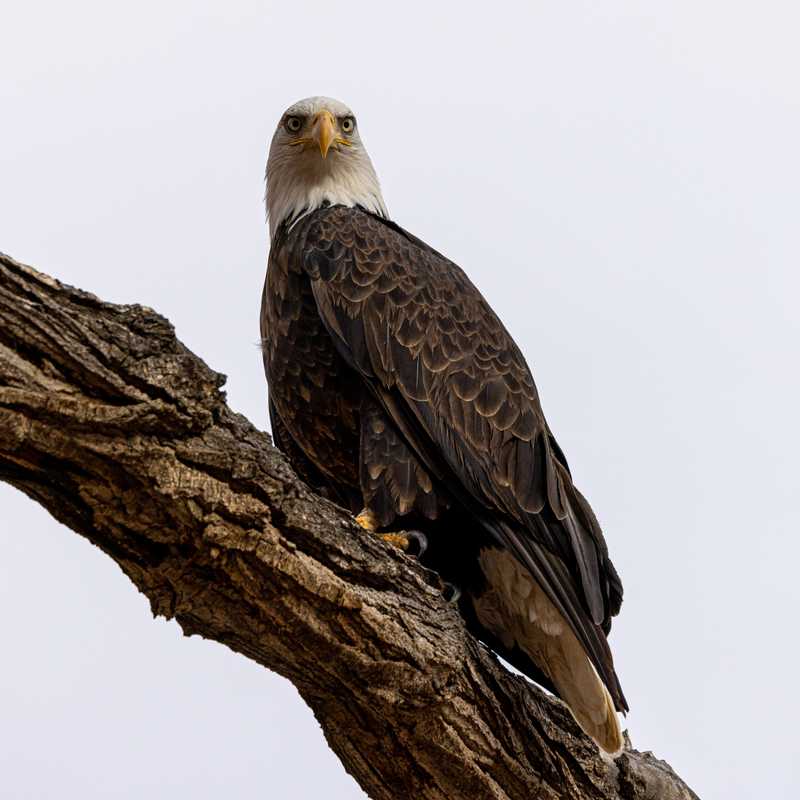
317, 158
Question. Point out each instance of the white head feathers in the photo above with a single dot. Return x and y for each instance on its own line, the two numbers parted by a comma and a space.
317, 156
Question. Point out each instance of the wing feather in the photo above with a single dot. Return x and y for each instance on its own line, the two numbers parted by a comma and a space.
449, 375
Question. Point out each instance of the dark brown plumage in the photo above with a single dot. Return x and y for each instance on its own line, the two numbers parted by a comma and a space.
395, 386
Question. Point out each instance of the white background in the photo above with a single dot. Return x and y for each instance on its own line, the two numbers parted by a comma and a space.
620, 179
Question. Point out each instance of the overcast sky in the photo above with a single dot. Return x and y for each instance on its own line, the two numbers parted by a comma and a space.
620, 179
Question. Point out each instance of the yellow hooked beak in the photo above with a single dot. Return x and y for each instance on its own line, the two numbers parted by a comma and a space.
324, 126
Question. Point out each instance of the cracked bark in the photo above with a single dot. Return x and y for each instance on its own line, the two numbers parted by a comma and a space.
122, 434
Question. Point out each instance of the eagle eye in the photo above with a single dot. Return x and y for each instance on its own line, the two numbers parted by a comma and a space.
293, 124
348, 124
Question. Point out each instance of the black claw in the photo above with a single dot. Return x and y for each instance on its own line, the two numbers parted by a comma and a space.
417, 543
450, 592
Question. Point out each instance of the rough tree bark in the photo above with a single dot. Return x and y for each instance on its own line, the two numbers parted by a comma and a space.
122, 434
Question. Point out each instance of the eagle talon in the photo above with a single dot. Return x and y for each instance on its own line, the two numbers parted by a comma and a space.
414, 543
368, 521
417, 543
398, 540
451, 592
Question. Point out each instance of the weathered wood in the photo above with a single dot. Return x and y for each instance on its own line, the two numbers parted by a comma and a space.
122, 434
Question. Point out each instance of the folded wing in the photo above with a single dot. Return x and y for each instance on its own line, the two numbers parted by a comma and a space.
448, 374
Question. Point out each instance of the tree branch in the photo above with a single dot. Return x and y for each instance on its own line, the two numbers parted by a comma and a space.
122, 434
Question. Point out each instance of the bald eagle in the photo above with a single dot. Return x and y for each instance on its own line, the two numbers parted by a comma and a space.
395, 388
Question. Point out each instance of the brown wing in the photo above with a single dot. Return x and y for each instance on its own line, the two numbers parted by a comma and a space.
316, 406
449, 375
337, 491
392, 479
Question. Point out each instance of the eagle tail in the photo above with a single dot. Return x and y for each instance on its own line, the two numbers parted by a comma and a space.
516, 610
579, 685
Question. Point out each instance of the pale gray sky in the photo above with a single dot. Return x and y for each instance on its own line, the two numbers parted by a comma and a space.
620, 179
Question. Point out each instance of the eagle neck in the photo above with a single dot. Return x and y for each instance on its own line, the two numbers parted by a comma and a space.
295, 190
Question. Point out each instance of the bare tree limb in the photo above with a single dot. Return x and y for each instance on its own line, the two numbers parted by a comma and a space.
122, 434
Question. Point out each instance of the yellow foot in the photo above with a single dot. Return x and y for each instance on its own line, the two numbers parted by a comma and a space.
367, 520
413, 542
397, 539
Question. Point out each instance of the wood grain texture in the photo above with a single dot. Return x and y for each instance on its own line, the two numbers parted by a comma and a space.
122, 434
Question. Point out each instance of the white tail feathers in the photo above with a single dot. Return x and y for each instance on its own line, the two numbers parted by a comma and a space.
517, 611
582, 690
